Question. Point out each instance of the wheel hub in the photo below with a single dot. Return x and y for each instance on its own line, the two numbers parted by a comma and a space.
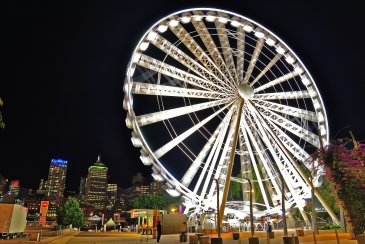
245, 91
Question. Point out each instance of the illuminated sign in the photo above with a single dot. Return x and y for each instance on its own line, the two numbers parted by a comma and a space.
44, 208
42, 220
59, 161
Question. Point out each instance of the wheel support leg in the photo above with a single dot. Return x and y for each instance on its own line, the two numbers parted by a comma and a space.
231, 160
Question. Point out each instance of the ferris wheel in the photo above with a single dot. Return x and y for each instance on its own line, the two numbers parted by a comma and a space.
204, 84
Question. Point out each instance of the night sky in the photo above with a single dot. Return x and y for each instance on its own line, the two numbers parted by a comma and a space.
64, 64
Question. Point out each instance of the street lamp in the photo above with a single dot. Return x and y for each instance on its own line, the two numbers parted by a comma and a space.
218, 220
285, 227
251, 207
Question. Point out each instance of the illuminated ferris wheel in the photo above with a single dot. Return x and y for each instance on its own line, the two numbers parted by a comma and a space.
205, 84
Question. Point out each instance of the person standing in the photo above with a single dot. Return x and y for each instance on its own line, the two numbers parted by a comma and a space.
158, 231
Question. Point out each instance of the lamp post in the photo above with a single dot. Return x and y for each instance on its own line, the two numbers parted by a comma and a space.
285, 227
218, 220
251, 207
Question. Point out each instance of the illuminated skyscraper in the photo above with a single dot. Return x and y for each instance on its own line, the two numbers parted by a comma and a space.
56, 185
112, 192
82, 189
96, 185
41, 185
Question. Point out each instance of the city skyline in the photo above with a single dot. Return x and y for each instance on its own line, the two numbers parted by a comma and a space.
66, 65
46, 183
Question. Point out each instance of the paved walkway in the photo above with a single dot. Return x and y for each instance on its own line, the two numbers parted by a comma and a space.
75, 237
325, 237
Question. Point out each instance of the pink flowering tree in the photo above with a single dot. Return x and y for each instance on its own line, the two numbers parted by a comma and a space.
345, 168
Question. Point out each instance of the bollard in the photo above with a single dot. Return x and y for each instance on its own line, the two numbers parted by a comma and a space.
253, 240
300, 232
193, 239
217, 240
295, 239
204, 240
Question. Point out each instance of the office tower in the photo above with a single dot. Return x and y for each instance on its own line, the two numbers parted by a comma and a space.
55, 186
111, 194
157, 187
144, 190
41, 184
82, 189
96, 185
122, 203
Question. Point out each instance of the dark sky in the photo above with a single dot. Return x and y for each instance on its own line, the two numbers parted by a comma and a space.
64, 64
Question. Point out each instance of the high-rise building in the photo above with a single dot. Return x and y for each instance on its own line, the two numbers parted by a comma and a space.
157, 187
55, 186
111, 193
122, 203
144, 190
96, 185
82, 189
41, 184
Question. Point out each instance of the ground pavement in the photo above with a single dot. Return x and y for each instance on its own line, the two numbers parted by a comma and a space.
76, 237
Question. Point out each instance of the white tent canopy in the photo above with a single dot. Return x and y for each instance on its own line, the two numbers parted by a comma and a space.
110, 222
94, 218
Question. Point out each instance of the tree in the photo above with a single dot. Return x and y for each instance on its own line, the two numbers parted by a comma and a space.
159, 201
2, 123
235, 189
345, 168
70, 213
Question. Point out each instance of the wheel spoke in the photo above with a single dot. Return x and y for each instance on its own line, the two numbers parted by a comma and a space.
282, 162
282, 95
172, 91
243, 131
287, 110
297, 130
150, 118
254, 57
214, 167
174, 142
241, 52
173, 51
198, 52
279, 80
267, 68
260, 154
226, 49
166, 69
194, 167
296, 150
211, 47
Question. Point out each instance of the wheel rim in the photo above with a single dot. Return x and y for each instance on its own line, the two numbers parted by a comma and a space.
183, 83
